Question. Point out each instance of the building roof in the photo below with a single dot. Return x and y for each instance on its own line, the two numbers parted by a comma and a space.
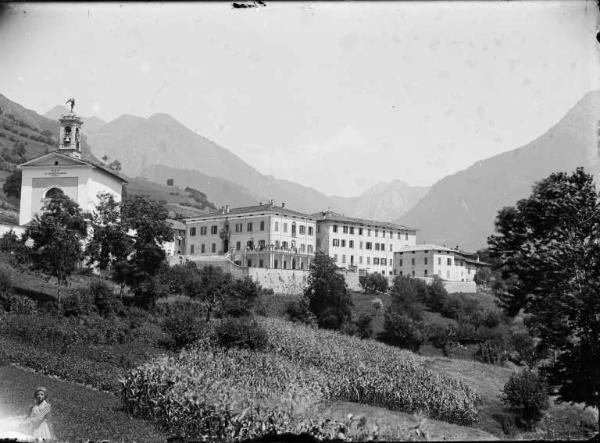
251, 210
176, 224
73, 161
431, 247
334, 216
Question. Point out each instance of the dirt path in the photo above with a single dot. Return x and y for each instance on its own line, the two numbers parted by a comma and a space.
78, 413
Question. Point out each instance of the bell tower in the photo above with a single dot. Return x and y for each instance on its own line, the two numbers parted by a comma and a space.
70, 133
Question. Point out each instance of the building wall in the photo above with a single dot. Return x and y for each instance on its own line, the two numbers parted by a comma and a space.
350, 248
80, 183
277, 233
445, 264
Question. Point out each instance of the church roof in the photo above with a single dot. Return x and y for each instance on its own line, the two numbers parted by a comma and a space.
45, 160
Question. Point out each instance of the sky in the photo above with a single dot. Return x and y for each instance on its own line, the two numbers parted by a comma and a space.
336, 96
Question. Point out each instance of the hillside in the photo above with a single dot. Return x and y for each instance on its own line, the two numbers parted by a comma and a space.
460, 209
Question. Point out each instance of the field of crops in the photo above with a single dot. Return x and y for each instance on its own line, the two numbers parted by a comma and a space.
208, 392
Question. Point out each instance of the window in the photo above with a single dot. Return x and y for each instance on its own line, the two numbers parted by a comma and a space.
401, 274
368, 260
275, 264
351, 230
238, 227
412, 261
276, 227
203, 230
343, 258
301, 229
238, 245
391, 247
284, 245
368, 245
360, 231
368, 232
360, 245
310, 230
302, 247
335, 242
260, 264
250, 244
449, 261
425, 260
284, 264
406, 237
249, 227
375, 260
440, 261
285, 228
213, 248
214, 229
202, 248
383, 247
400, 262
310, 249
249, 263
192, 232
191, 249
261, 245
334, 228
360, 260
413, 273
398, 236
262, 227
345, 229
383, 262
376, 232
391, 262
343, 243
351, 243
377, 246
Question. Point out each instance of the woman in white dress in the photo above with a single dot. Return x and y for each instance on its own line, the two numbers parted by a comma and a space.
37, 420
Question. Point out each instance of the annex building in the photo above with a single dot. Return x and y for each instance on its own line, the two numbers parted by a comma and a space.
429, 260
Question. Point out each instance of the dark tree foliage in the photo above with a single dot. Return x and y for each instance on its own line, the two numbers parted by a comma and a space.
436, 294
548, 247
526, 393
402, 331
58, 236
406, 299
146, 219
373, 282
109, 243
327, 293
12, 185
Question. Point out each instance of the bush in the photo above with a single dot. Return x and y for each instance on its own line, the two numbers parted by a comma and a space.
377, 304
240, 332
493, 345
442, 336
184, 326
406, 297
436, 295
18, 304
299, 311
373, 282
402, 331
525, 392
103, 298
240, 297
364, 327
525, 351
76, 303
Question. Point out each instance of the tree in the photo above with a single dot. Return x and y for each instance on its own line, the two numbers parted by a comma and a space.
12, 185
549, 249
146, 219
373, 282
58, 236
109, 243
526, 393
327, 293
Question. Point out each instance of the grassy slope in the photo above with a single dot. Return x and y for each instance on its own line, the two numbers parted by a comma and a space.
78, 413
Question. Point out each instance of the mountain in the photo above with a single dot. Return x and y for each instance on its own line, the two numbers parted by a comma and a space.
159, 148
384, 201
90, 124
461, 208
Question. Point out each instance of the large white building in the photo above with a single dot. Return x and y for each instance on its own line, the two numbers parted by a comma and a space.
265, 236
429, 260
64, 171
365, 246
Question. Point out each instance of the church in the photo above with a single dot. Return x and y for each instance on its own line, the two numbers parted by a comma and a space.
65, 171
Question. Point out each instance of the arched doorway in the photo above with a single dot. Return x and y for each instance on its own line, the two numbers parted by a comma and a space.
54, 193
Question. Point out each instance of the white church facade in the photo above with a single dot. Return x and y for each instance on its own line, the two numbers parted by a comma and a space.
65, 171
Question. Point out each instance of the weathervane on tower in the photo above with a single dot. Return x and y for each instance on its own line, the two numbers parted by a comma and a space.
72, 101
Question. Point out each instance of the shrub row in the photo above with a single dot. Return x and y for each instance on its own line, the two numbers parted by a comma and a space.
368, 372
91, 373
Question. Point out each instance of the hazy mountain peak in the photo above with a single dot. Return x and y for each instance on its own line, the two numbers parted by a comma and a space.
56, 112
165, 119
